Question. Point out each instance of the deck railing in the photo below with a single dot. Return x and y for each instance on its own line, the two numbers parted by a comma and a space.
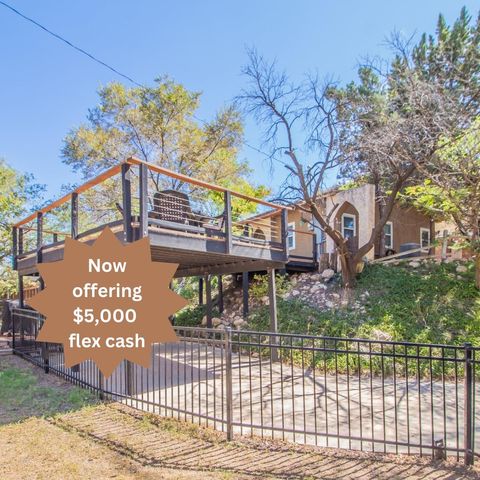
137, 197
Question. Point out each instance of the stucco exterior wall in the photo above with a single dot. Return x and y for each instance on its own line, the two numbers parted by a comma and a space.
363, 199
407, 223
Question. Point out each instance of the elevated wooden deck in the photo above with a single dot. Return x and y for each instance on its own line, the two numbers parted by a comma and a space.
180, 220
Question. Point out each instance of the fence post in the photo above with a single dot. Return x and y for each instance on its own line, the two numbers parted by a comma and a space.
228, 379
468, 406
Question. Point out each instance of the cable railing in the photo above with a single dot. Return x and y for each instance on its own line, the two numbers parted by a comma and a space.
136, 199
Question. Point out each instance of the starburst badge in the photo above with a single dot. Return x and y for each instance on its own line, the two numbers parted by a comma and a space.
107, 302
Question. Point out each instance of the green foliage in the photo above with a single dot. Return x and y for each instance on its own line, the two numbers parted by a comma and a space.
259, 286
156, 124
18, 193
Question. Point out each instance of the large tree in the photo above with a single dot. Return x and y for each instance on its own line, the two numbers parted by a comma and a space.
383, 129
157, 124
451, 190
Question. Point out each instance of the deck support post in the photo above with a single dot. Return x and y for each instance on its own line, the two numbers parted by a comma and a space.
272, 303
74, 235
127, 238
200, 290
245, 294
143, 195
127, 203
21, 304
208, 291
228, 221
44, 345
220, 293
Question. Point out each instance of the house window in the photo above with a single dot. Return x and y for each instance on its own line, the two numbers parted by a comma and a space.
424, 237
291, 236
388, 231
348, 225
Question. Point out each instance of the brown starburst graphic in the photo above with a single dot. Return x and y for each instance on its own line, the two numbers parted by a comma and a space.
107, 302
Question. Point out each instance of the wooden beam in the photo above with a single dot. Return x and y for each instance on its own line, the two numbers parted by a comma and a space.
143, 195
228, 221
272, 302
208, 292
245, 294
127, 203
228, 268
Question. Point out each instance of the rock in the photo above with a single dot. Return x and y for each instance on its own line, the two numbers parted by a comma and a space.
461, 269
414, 264
238, 322
329, 304
328, 273
378, 334
216, 321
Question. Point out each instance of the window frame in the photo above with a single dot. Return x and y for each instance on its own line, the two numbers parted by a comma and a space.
423, 229
291, 234
352, 216
391, 235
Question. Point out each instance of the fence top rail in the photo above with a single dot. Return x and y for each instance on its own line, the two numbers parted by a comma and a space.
237, 333
154, 168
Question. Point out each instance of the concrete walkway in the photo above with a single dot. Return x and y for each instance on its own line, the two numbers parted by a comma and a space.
188, 381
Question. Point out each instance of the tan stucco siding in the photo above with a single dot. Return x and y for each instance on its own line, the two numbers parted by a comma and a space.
406, 223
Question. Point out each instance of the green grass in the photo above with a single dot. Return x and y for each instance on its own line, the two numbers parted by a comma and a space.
430, 304
22, 396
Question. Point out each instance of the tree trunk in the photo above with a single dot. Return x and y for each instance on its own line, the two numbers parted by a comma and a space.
348, 268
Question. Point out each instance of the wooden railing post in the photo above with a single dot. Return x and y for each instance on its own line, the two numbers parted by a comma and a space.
284, 230
127, 203
143, 195
39, 236
74, 216
14, 247
228, 221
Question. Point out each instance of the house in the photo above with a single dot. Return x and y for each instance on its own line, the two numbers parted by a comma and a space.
354, 212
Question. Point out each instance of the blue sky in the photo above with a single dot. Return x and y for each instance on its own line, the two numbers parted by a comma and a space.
46, 88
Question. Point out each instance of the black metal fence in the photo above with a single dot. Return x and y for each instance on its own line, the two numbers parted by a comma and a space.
391, 397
